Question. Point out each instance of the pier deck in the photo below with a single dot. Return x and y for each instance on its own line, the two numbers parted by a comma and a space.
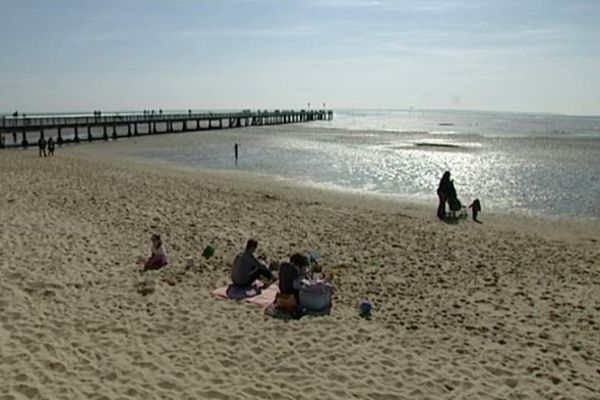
89, 127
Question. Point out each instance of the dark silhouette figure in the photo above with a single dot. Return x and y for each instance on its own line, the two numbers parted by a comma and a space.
235, 150
42, 146
475, 209
1, 141
50, 147
289, 272
14, 137
444, 191
453, 202
15, 114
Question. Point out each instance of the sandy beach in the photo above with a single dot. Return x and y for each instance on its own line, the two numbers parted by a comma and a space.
507, 309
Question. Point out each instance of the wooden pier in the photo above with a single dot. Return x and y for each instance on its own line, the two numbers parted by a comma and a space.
89, 127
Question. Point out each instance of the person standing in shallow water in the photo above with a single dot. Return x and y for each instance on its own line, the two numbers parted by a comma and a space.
443, 191
235, 150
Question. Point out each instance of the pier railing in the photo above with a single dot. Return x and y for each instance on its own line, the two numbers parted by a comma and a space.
145, 123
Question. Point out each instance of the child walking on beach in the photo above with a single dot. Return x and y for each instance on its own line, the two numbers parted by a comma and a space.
158, 255
475, 209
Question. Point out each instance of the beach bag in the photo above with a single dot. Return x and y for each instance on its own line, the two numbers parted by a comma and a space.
315, 295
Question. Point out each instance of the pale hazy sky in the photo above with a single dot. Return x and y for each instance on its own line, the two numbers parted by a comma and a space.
525, 55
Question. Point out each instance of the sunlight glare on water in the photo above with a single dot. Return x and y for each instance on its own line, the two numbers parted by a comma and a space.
526, 166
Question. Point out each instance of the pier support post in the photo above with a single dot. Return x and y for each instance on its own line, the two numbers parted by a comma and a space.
197, 124
149, 127
128, 129
89, 133
220, 123
114, 133
154, 127
105, 134
135, 129
59, 140
76, 138
184, 126
24, 141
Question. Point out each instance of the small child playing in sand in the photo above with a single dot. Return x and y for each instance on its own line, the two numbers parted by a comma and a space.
158, 255
475, 209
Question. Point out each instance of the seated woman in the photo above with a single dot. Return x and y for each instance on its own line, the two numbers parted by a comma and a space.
158, 255
288, 298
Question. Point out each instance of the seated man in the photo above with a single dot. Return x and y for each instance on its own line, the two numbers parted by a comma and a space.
288, 298
246, 268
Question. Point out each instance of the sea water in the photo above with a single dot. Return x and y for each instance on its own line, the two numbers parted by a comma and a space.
525, 163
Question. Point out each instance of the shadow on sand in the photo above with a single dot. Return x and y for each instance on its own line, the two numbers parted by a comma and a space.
454, 220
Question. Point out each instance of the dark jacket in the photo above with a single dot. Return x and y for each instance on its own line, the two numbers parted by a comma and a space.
288, 273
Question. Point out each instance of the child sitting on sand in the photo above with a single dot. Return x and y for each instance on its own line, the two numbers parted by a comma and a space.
158, 255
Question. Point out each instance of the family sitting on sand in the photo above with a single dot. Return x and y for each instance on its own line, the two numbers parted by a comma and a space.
298, 293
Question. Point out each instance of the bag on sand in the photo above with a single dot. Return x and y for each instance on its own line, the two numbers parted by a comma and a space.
315, 296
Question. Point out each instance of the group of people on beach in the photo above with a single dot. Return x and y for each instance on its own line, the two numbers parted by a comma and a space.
447, 194
44, 144
300, 291
293, 276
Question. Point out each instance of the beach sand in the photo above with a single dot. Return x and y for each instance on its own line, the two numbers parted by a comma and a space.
507, 309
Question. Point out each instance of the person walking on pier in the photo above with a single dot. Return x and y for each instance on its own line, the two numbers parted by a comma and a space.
42, 145
235, 150
51, 147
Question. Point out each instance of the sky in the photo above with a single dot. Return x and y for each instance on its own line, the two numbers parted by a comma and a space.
78, 55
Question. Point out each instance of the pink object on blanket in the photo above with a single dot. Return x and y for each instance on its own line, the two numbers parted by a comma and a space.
266, 297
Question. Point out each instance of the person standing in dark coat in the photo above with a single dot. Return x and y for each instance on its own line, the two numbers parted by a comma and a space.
42, 146
50, 147
444, 192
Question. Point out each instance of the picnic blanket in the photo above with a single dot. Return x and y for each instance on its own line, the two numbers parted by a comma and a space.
254, 295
